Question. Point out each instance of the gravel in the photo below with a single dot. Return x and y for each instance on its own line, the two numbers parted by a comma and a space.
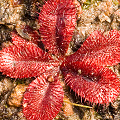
102, 15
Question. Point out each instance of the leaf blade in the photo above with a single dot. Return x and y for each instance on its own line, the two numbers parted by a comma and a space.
57, 21
102, 87
43, 99
99, 49
25, 59
96, 52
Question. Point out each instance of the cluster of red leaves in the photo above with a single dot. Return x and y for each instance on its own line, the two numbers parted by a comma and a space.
84, 71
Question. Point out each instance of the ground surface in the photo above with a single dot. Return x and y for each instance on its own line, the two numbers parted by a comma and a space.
102, 15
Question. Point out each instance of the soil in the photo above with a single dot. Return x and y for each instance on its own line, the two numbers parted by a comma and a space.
102, 15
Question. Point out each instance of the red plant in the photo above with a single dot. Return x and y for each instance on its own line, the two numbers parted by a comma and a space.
84, 71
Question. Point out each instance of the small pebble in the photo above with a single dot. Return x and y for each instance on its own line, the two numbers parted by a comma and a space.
67, 108
15, 99
21, 115
74, 117
104, 17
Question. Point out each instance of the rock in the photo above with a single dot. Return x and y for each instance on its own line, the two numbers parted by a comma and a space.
67, 108
74, 117
15, 99
103, 17
9, 13
21, 115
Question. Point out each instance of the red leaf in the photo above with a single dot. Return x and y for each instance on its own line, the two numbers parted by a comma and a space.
95, 84
43, 99
17, 40
25, 60
57, 22
99, 49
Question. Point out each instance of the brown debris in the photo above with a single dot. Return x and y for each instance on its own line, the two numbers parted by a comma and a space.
5, 85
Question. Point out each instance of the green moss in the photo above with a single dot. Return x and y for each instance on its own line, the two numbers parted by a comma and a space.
88, 3
115, 2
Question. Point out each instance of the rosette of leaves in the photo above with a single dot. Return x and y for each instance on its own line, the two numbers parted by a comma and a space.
84, 71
